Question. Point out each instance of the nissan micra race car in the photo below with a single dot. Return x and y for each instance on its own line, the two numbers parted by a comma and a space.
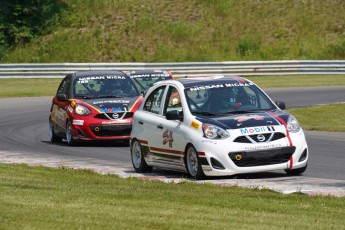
215, 126
93, 105
144, 79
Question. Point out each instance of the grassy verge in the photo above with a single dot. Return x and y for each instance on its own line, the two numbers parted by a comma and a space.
45, 198
194, 30
47, 87
321, 118
30, 87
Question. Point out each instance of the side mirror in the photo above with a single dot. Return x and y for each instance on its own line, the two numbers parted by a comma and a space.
61, 97
281, 105
174, 115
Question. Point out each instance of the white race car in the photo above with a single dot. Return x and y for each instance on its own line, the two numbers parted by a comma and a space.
215, 126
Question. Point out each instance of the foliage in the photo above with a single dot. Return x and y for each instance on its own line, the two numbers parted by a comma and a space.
21, 20
174, 31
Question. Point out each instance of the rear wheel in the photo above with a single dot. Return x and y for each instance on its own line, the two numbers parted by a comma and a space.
69, 135
53, 137
296, 172
193, 163
138, 160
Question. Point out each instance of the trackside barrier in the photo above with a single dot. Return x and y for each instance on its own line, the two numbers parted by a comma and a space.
179, 69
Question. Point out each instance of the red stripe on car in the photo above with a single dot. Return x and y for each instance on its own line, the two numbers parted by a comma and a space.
282, 122
166, 150
143, 142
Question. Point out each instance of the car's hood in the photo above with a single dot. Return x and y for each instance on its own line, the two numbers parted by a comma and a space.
112, 105
252, 119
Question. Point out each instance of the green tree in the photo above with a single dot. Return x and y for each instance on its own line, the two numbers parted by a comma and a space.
21, 20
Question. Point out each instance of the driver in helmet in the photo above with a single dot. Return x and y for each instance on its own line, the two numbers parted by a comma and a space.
228, 98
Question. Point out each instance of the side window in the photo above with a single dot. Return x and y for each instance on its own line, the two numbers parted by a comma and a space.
62, 87
154, 103
173, 100
198, 100
65, 86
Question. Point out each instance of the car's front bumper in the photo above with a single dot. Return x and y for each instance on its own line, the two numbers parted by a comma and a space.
225, 157
95, 129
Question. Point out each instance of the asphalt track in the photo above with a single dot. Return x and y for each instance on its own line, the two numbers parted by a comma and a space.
24, 139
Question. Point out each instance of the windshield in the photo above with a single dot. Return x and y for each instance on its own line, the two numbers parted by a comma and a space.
145, 81
104, 87
226, 98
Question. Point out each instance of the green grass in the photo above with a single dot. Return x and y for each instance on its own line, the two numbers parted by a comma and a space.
30, 87
194, 30
47, 87
321, 118
46, 198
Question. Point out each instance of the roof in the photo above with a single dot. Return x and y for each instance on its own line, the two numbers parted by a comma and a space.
98, 73
189, 82
149, 73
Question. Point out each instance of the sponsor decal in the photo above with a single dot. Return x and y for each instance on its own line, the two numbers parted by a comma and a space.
208, 141
111, 109
78, 122
153, 75
83, 80
116, 122
111, 101
271, 128
195, 124
245, 118
229, 85
168, 138
270, 146
70, 109
253, 130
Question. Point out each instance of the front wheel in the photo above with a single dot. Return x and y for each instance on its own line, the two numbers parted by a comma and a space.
69, 135
53, 137
138, 160
296, 172
193, 163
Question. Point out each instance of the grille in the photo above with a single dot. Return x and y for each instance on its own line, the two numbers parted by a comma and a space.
262, 157
254, 138
120, 114
111, 130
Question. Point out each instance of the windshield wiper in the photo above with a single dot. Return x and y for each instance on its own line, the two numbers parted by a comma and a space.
204, 113
241, 112
82, 97
108, 96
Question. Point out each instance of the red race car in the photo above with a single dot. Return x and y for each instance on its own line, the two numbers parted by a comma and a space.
93, 105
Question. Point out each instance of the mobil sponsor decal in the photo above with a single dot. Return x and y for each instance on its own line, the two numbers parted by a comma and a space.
111, 109
253, 130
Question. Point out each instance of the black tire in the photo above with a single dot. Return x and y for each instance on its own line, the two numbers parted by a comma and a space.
69, 135
138, 160
193, 164
52, 135
296, 172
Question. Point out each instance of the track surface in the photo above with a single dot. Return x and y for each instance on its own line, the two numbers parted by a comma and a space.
24, 131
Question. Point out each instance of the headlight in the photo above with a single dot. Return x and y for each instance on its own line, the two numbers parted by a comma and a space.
292, 125
81, 110
214, 132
